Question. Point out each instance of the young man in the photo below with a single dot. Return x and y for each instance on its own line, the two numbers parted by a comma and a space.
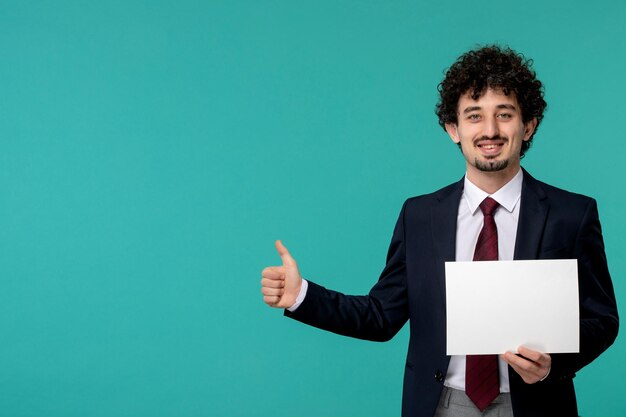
491, 105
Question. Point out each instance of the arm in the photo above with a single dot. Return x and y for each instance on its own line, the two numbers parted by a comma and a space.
599, 321
377, 316
598, 311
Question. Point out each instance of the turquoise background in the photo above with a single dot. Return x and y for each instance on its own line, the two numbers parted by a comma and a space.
151, 153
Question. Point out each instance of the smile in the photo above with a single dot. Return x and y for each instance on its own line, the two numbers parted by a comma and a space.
491, 146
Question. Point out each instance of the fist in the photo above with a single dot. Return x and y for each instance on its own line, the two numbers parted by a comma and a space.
280, 285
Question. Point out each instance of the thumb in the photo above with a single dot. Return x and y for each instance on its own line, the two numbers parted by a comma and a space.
284, 254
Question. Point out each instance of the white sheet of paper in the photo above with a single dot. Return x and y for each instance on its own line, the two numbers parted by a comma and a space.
496, 306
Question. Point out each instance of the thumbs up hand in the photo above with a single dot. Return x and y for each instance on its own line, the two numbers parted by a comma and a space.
280, 285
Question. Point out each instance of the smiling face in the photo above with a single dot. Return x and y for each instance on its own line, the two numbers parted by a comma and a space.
490, 131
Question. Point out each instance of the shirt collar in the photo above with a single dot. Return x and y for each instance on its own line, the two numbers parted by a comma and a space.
507, 196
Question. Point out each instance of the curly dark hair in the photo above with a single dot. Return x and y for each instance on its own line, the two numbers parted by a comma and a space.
492, 67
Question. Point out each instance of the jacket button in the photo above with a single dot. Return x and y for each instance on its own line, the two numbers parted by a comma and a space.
439, 376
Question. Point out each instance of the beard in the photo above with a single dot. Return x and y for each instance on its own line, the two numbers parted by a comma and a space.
491, 166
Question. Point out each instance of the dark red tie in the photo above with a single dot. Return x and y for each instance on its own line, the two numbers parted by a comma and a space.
481, 372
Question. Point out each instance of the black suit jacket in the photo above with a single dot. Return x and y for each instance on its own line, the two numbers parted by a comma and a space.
553, 224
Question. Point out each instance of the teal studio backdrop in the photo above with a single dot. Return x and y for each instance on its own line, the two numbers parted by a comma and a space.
151, 152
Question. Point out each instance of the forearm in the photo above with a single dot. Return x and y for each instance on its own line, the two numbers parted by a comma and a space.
362, 317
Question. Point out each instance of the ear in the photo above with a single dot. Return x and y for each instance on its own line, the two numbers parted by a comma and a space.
529, 128
453, 131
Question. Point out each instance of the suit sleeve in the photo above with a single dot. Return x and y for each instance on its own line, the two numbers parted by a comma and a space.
377, 316
599, 320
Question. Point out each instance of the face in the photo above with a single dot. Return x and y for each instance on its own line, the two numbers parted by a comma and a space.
490, 131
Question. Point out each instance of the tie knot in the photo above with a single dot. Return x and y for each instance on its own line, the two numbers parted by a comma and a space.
488, 206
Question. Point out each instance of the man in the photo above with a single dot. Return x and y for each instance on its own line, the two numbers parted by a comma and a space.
491, 105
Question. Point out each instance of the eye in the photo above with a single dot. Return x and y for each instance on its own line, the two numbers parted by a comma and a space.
505, 116
473, 117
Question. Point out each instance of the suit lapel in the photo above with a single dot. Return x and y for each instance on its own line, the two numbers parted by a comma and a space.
444, 214
532, 219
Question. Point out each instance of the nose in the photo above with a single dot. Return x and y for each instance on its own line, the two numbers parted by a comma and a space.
491, 127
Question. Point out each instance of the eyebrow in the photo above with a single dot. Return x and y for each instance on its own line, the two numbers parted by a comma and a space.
499, 106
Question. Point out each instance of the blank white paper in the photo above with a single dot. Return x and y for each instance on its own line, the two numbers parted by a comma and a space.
496, 306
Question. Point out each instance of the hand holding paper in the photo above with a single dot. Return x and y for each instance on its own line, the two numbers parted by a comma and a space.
532, 366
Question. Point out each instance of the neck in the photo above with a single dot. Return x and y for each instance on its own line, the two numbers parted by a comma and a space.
490, 182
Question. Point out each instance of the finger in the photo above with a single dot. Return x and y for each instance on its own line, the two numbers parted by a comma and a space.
272, 291
284, 254
516, 361
273, 283
273, 272
526, 377
520, 363
508, 358
516, 369
524, 368
533, 355
271, 300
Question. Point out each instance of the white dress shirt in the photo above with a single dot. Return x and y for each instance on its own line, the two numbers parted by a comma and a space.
468, 227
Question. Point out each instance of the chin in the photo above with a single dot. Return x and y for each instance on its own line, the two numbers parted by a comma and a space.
491, 166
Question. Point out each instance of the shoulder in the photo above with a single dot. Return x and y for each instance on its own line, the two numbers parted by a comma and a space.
542, 190
443, 203
448, 193
564, 209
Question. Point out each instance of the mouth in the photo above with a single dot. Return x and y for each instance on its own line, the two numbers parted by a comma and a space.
490, 147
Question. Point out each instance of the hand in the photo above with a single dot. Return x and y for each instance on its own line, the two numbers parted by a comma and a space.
280, 285
531, 365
